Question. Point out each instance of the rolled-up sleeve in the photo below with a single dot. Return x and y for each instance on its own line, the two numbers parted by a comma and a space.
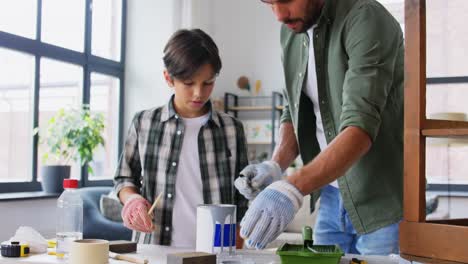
128, 172
372, 42
286, 114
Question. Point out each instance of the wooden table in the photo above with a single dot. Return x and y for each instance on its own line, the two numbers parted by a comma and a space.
157, 255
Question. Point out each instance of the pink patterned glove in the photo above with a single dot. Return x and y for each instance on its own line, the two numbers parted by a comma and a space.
135, 214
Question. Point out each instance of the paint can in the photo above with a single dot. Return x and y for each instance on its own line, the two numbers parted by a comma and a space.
216, 228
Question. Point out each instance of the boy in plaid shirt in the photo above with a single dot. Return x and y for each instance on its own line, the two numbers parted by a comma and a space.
185, 149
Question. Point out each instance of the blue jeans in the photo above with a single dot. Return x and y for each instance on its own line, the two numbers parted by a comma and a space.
333, 226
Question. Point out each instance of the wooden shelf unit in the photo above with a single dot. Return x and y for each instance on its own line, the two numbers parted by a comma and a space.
232, 104
444, 128
421, 240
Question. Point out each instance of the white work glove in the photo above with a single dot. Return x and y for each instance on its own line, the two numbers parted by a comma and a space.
255, 177
270, 213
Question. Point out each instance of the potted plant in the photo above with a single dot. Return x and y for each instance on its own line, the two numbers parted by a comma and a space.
71, 135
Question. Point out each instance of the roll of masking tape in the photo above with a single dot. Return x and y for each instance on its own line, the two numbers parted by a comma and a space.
89, 251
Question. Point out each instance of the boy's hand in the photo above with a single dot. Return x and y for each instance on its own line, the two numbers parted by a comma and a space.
135, 214
255, 177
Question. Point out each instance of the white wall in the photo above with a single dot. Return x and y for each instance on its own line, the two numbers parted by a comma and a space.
245, 31
38, 214
247, 34
149, 25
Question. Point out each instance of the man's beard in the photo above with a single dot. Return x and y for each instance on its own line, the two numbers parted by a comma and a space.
305, 24
311, 17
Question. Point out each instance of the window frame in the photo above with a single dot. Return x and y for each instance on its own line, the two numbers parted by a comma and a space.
90, 64
445, 187
439, 187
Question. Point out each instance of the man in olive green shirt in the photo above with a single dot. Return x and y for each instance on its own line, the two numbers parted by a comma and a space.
343, 64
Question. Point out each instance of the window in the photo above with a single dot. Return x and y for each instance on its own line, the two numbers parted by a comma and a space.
63, 23
447, 91
57, 54
106, 28
18, 17
60, 87
447, 38
105, 99
447, 88
16, 93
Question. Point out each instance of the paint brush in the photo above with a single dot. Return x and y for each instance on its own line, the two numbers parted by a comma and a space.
150, 211
127, 258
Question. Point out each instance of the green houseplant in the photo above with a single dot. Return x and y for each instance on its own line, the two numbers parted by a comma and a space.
71, 135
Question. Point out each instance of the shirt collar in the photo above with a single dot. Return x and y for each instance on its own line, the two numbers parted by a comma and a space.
328, 12
168, 112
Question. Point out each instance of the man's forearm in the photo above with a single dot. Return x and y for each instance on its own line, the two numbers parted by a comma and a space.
286, 149
333, 162
239, 239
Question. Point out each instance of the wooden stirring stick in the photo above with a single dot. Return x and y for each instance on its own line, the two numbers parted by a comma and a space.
127, 258
150, 211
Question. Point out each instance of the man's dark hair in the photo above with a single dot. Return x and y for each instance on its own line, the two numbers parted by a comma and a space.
188, 50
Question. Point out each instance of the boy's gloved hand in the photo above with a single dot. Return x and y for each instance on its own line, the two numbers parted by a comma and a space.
270, 213
135, 214
255, 177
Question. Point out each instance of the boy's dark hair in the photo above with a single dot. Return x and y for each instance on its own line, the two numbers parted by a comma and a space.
188, 50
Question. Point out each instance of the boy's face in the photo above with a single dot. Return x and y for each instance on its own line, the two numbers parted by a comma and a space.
192, 94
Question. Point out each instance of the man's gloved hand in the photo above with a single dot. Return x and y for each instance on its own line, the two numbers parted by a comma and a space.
270, 213
135, 214
255, 177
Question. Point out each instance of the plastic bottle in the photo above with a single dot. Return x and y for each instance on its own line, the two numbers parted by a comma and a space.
69, 217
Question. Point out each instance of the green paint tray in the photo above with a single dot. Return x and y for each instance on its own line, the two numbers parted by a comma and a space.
296, 254
309, 253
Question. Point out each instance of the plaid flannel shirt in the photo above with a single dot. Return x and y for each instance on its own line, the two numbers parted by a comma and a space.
150, 158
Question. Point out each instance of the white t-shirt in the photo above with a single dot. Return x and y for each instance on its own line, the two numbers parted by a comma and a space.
311, 91
188, 186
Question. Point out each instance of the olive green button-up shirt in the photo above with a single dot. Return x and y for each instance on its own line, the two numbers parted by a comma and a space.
359, 54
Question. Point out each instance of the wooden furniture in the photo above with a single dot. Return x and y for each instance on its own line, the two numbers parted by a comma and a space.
421, 240
273, 104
